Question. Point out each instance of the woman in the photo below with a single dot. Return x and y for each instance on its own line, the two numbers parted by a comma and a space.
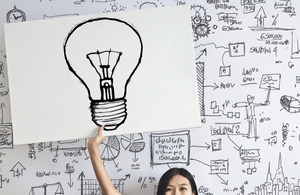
173, 182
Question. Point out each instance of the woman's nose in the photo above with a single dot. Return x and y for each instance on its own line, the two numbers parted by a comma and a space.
176, 192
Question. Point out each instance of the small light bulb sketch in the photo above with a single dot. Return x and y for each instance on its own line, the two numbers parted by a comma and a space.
104, 53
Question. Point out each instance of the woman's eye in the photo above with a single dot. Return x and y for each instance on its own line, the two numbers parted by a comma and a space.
182, 188
168, 189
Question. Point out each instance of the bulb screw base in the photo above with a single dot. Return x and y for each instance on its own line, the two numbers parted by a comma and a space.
110, 113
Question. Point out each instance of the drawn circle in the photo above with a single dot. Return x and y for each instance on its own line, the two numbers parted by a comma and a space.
197, 20
133, 142
15, 15
208, 18
111, 148
202, 29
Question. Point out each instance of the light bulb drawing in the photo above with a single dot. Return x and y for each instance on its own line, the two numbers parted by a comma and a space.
104, 53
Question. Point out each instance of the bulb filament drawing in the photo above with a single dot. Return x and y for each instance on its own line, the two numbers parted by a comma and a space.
105, 60
104, 65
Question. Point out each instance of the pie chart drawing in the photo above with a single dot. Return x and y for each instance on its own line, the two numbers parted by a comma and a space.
111, 148
133, 142
290, 104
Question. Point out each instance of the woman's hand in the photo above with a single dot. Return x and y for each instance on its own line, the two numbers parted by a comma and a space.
97, 140
103, 178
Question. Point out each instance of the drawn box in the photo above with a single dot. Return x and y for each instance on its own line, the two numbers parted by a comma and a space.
6, 136
249, 155
270, 81
219, 166
236, 49
169, 148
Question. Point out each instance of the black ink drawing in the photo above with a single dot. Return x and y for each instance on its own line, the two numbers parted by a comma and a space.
286, 6
69, 170
18, 169
260, 23
290, 104
216, 145
169, 148
245, 45
47, 189
2, 180
92, 187
250, 156
6, 136
219, 166
114, 8
58, 16
104, 63
200, 22
15, 15
278, 183
200, 86
149, 4
295, 50
133, 143
110, 149
250, 115
260, 17
97, 1
69, 148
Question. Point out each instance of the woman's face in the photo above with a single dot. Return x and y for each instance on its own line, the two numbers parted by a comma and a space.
179, 185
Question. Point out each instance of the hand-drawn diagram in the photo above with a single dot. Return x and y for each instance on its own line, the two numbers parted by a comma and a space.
18, 169
101, 62
92, 187
133, 143
247, 68
200, 21
47, 189
111, 148
15, 15
168, 148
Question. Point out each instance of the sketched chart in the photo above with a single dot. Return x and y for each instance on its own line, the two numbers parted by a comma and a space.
92, 187
133, 143
110, 148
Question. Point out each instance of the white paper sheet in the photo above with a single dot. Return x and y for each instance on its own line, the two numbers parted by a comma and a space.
53, 65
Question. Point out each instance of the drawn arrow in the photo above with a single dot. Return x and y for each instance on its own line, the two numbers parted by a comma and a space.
202, 52
69, 170
70, 183
135, 159
238, 147
213, 86
81, 176
86, 156
260, 16
18, 169
116, 164
207, 146
123, 179
56, 153
223, 181
200, 162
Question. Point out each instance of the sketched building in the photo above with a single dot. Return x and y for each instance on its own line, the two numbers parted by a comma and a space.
278, 185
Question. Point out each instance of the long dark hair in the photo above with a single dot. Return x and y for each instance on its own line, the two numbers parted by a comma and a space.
166, 177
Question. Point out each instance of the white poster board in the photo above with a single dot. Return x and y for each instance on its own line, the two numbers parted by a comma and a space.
61, 70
